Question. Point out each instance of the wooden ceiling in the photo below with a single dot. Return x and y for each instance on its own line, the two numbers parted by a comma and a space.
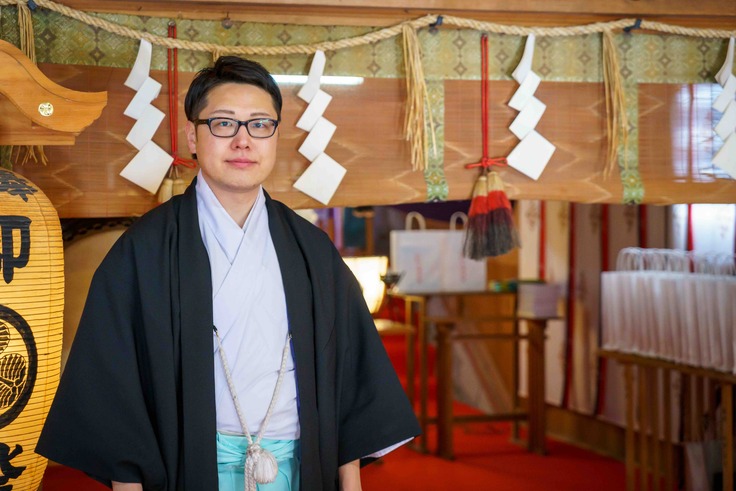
704, 13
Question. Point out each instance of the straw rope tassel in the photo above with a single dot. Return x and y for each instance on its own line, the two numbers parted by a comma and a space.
26, 153
617, 125
418, 112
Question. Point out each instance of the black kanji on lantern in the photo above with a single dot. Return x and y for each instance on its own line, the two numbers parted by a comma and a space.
8, 260
18, 365
15, 185
8, 470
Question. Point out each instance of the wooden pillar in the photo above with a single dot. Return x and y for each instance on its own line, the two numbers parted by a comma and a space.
669, 448
643, 418
423, 371
727, 410
536, 386
630, 438
444, 391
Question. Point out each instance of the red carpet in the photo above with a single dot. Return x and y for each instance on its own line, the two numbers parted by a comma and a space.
486, 459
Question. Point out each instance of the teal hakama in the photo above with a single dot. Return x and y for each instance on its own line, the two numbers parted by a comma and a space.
231, 450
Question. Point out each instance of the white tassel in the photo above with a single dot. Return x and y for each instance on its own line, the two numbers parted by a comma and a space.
261, 465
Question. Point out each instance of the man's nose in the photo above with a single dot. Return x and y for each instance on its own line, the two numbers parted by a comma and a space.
242, 137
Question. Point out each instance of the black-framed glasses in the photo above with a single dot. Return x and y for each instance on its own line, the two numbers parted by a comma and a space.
229, 127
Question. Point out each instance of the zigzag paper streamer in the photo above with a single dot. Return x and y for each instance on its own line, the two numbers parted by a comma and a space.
532, 153
725, 103
148, 167
324, 175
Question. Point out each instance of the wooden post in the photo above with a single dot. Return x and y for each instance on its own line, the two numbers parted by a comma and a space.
444, 391
727, 411
410, 350
630, 437
653, 381
515, 377
643, 418
423, 372
536, 386
669, 449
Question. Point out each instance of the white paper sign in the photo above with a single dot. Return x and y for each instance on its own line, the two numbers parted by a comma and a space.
142, 66
727, 68
321, 179
143, 130
525, 65
148, 168
531, 155
528, 118
317, 139
526, 90
314, 111
726, 156
727, 95
145, 95
727, 124
311, 86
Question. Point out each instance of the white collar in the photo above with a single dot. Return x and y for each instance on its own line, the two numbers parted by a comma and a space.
228, 233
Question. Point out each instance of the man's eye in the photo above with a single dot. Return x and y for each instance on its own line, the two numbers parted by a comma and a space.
222, 123
259, 124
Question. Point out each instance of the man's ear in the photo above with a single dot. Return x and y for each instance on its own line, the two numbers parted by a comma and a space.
191, 131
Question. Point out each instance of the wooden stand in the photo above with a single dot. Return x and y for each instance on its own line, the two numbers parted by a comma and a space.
656, 456
446, 335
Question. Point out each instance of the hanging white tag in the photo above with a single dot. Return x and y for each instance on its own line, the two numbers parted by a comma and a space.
727, 124
145, 95
525, 65
727, 68
148, 168
726, 156
321, 179
528, 118
314, 110
144, 129
531, 155
727, 95
311, 86
318, 139
141, 67
525, 91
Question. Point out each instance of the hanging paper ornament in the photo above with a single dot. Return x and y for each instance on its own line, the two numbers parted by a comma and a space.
31, 320
148, 167
322, 178
491, 231
533, 152
725, 103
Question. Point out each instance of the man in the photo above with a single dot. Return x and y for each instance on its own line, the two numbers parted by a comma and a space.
220, 324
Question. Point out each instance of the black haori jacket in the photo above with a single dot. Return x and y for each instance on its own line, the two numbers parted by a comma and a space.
136, 401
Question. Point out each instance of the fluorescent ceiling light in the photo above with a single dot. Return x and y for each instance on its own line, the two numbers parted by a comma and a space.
325, 80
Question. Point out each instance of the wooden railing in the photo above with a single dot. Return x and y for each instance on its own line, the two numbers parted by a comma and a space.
654, 458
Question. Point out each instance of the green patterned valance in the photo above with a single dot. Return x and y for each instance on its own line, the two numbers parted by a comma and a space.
451, 52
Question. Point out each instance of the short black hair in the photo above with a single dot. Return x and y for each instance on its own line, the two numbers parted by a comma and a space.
229, 69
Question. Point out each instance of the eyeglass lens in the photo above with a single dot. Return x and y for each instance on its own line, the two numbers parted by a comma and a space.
257, 128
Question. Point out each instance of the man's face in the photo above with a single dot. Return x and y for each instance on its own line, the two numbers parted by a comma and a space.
234, 167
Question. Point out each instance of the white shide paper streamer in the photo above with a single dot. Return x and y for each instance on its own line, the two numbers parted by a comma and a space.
725, 103
324, 175
534, 151
148, 167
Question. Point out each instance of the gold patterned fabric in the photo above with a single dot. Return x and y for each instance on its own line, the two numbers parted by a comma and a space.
448, 54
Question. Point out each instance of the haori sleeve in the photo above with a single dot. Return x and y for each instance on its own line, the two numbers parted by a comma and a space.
375, 413
99, 422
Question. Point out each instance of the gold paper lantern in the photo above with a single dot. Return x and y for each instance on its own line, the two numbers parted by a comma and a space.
31, 319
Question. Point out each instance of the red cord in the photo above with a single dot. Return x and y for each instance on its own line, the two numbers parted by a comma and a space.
173, 75
485, 162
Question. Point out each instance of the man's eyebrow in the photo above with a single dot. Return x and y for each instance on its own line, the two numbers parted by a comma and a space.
230, 112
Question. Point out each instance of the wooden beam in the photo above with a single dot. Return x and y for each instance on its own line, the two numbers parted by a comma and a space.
709, 13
